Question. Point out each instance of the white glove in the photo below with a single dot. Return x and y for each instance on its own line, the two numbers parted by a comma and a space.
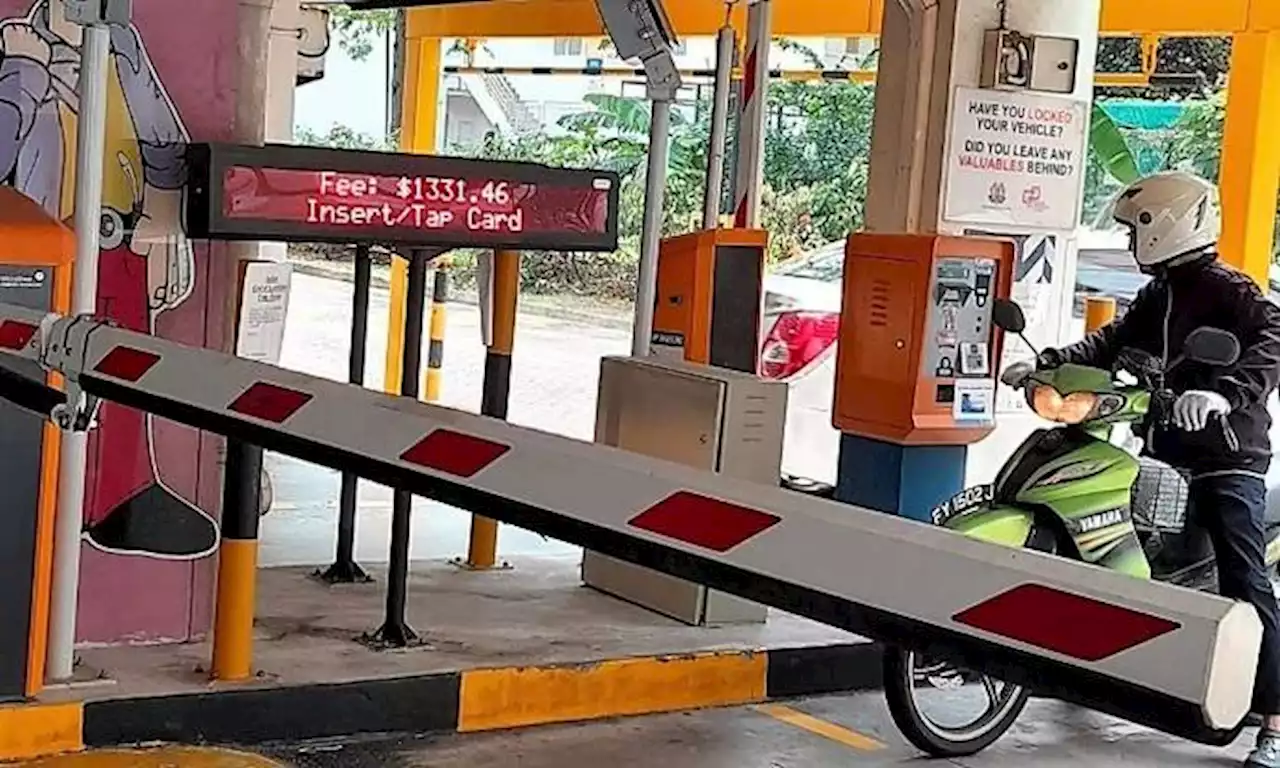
1193, 409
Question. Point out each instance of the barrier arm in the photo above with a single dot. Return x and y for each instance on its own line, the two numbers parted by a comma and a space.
1161, 656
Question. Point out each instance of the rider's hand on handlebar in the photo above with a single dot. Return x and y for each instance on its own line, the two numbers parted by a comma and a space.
1194, 408
1017, 374
1048, 359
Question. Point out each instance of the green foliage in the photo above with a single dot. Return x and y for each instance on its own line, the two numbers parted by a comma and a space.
1120, 155
1209, 58
355, 30
1110, 148
816, 152
341, 137
1197, 143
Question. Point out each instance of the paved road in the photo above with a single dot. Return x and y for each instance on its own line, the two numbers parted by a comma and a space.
555, 375
838, 731
853, 731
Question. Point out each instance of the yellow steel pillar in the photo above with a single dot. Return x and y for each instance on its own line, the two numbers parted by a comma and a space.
1251, 154
419, 120
482, 551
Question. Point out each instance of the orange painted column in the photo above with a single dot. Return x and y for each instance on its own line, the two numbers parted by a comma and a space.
1250, 178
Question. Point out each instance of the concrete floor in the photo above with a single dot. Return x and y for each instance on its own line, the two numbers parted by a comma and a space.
838, 731
537, 613
833, 731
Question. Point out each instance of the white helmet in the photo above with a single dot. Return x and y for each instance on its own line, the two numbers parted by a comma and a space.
1169, 215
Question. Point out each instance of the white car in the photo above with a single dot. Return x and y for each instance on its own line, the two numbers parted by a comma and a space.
801, 321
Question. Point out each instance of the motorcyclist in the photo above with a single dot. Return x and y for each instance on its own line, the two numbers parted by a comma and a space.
1219, 421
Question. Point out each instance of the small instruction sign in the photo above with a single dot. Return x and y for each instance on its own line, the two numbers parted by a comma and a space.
264, 305
975, 401
1016, 158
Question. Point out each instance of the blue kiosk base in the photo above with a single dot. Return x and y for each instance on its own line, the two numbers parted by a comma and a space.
899, 479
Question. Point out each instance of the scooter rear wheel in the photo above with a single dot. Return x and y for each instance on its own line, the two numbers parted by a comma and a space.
902, 670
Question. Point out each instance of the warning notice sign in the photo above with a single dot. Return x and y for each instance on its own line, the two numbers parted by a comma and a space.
1015, 158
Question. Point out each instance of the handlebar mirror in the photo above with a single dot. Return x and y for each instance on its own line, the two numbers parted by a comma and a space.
1008, 316
1212, 346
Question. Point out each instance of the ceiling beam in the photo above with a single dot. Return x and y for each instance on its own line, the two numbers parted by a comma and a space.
820, 18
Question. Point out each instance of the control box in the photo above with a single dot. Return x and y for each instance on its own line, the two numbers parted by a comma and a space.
709, 418
918, 352
709, 298
36, 255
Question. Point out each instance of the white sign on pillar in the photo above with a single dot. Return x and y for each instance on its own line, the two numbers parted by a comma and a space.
1016, 159
264, 306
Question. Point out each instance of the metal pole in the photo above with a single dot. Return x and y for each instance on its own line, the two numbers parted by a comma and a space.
482, 550
754, 106
719, 128
90, 155
439, 323
345, 569
651, 233
395, 630
237, 563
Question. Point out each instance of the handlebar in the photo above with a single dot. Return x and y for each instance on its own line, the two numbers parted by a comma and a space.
1162, 406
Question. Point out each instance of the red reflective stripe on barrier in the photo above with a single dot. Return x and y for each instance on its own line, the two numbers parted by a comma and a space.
15, 335
703, 522
269, 402
1072, 625
453, 452
127, 363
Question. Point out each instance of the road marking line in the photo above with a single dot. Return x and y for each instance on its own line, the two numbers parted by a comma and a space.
840, 734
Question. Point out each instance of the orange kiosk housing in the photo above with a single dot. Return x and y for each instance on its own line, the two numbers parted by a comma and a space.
916, 367
709, 297
36, 253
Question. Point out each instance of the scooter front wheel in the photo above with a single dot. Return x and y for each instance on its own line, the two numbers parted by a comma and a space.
908, 677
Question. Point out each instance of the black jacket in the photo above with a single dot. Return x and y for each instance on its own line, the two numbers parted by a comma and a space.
1162, 315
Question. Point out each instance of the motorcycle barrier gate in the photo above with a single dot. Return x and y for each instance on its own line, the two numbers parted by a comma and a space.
1172, 659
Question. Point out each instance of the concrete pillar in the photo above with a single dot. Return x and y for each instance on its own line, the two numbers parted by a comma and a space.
282, 78
1250, 175
929, 48
282, 75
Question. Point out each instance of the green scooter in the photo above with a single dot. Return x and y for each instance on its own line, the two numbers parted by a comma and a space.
1070, 491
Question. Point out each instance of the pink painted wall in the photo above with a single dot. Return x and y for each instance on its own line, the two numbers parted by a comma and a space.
153, 487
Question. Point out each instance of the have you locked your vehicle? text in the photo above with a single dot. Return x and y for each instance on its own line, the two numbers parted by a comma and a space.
329, 198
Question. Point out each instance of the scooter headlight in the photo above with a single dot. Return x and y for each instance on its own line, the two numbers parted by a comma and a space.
1049, 403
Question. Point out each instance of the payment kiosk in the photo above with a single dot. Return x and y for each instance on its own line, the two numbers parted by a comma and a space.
36, 252
916, 365
709, 298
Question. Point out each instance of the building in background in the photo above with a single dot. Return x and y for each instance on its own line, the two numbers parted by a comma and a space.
517, 104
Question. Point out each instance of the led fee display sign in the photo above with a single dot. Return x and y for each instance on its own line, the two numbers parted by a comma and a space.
312, 194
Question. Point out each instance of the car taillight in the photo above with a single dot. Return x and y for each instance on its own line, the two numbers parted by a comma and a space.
795, 340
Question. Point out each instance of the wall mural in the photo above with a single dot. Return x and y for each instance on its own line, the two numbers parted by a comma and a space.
148, 272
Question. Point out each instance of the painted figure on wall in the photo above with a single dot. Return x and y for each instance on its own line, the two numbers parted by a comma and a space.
146, 266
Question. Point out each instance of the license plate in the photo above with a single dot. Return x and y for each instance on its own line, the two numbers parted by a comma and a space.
964, 501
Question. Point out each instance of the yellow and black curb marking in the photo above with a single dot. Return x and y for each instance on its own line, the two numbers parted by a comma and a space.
468, 701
